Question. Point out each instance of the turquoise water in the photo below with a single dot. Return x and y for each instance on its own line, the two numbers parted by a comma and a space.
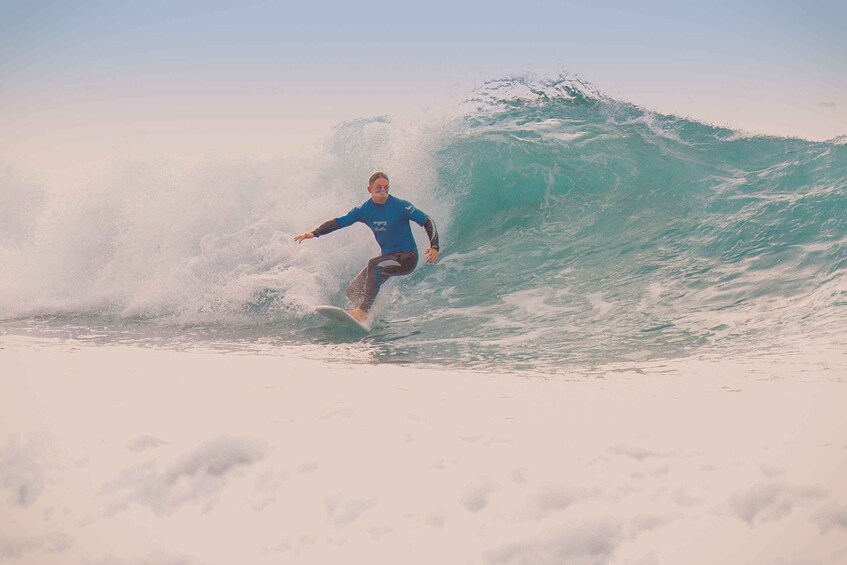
576, 229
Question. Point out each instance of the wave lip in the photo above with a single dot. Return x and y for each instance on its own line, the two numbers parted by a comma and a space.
526, 90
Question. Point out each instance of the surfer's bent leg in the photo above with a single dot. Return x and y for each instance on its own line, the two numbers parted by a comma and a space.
364, 288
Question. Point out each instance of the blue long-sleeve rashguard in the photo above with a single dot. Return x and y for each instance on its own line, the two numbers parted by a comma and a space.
389, 223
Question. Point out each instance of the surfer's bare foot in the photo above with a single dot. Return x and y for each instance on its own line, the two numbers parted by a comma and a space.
359, 314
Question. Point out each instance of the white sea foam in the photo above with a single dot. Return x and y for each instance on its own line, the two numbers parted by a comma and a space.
313, 463
203, 241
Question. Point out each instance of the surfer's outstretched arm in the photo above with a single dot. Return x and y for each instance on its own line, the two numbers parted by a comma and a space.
323, 229
328, 226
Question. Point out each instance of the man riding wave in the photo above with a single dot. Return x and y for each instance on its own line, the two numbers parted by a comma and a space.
388, 218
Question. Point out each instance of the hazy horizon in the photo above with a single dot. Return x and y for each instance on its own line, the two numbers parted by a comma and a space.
87, 82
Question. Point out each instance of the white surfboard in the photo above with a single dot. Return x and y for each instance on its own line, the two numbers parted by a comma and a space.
341, 315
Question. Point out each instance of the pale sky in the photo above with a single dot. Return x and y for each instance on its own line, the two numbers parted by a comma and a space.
86, 81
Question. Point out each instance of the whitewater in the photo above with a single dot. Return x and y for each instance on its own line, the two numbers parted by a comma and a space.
630, 351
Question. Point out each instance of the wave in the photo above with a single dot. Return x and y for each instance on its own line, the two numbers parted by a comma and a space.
575, 228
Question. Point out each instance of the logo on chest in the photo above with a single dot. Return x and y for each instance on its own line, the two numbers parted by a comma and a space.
379, 226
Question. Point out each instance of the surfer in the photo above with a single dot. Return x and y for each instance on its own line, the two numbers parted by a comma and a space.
388, 218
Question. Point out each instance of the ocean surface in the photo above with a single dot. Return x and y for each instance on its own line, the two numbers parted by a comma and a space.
576, 230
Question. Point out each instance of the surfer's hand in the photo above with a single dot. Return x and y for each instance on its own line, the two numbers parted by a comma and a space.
431, 255
302, 236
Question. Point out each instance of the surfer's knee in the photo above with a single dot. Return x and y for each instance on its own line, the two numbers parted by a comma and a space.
377, 261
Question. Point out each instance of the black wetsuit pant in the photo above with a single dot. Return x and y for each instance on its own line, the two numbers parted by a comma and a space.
364, 288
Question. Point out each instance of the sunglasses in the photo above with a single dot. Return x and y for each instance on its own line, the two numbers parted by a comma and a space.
380, 190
